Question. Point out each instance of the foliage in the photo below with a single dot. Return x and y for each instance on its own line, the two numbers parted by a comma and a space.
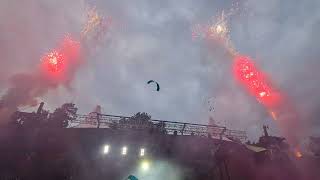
140, 117
62, 115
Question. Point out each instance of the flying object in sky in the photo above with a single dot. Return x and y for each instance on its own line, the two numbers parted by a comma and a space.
152, 81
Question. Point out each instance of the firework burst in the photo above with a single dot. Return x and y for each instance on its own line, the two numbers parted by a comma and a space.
219, 29
59, 62
93, 20
254, 80
53, 61
96, 25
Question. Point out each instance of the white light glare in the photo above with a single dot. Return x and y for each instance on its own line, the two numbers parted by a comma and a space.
106, 149
145, 165
142, 152
124, 150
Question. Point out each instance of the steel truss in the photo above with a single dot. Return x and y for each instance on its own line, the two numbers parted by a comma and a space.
180, 128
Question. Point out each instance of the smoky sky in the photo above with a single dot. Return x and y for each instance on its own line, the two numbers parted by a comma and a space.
154, 42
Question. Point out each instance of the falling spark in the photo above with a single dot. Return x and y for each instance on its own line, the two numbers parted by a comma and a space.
94, 19
96, 26
273, 115
262, 94
298, 154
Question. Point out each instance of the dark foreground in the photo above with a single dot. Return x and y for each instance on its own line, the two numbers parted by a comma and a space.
80, 154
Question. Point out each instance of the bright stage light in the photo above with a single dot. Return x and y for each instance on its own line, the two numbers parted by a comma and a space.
145, 165
142, 152
106, 149
124, 150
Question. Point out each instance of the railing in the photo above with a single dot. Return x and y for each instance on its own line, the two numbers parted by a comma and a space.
170, 127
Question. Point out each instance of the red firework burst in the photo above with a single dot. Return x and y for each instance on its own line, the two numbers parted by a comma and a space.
62, 60
255, 81
53, 61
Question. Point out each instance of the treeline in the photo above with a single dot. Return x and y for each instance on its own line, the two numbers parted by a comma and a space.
60, 118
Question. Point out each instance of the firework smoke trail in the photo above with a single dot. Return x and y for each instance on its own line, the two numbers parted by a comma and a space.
253, 79
258, 85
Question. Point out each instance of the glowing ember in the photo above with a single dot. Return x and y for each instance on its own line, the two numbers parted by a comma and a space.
255, 81
273, 115
262, 94
53, 60
219, 29
298, 154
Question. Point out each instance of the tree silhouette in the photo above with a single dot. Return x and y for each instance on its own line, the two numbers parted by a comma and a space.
140, 117
62, 115
137, 121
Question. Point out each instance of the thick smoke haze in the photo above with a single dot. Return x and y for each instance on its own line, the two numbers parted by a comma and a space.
156, 44
25, 87
158, 170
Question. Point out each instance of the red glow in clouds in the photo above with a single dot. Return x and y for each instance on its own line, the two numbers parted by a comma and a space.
255, 81
59, 61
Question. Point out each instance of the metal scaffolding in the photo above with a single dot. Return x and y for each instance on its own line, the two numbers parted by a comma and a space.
97, 120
